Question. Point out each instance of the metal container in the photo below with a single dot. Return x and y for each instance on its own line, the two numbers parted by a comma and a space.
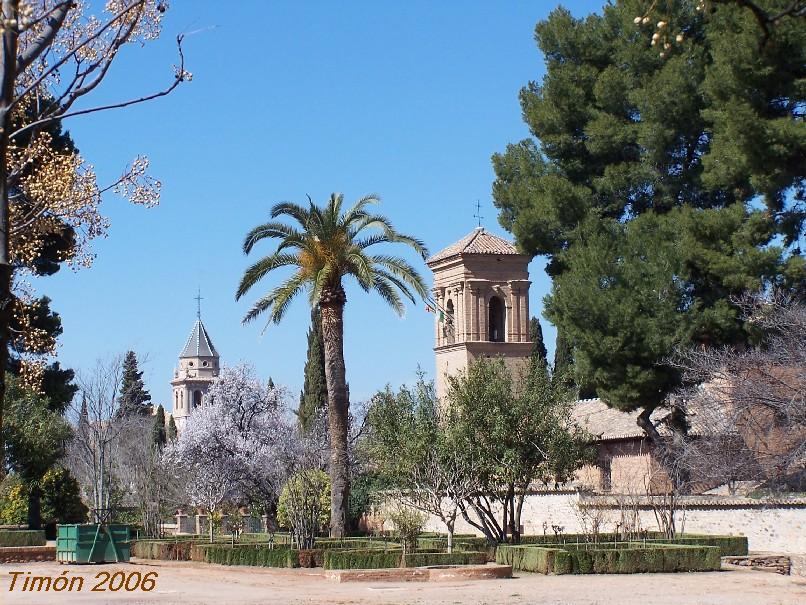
92, 543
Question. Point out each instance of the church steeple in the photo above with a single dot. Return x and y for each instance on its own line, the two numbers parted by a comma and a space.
198, 369
198, 343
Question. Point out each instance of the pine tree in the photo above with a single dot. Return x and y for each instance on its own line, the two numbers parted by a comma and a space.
134, 398
313, 397
538, 346
171, 432
661, 183
159, 435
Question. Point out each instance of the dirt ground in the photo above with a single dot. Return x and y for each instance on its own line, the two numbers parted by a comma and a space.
201, 583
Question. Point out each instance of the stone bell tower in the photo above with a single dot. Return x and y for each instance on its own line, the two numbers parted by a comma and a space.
198, 369
481, 288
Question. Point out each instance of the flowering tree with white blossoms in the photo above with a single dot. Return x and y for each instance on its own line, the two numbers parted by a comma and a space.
234, 448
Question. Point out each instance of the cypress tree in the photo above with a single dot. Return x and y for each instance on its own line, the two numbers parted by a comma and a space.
171, 432
314, 391
134, 398
563, 356
538, 345
159, 435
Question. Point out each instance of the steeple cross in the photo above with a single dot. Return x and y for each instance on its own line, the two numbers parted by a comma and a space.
478, 212
198, 298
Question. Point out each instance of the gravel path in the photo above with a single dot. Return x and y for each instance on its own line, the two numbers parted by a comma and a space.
200, 583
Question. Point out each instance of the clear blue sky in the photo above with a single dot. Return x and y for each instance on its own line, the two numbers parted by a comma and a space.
404, 99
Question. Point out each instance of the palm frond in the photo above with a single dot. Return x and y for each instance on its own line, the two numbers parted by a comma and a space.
281, 295
360, 266
295, 211
399, 284
274, 230
258, 270
389, 294
358, 211
403, 270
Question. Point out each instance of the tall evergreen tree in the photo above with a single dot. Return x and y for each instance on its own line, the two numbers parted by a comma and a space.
134, 398
666, 177
159, 435
538, 345
313, 397
171, 431
563, 356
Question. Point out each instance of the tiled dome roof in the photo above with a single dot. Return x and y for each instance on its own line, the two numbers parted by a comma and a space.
476, 242
199, 343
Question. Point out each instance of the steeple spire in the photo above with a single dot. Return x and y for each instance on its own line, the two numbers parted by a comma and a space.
198, 299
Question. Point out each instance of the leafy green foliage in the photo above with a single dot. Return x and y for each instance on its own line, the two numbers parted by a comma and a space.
620, 557
134, 399
249, 554
304, 504
516, 430
33, 433
60, 496
379, 559
171, 430
18, 537
658, 187
313, 399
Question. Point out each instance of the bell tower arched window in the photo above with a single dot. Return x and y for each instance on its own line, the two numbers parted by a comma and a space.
450, 323
496, 320
197, 398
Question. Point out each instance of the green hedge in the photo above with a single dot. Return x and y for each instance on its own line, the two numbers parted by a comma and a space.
165, 550
246, 554
729, 546
610, 558
22, 537
378, 559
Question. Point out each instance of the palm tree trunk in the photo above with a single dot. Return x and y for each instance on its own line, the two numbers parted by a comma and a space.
338, 405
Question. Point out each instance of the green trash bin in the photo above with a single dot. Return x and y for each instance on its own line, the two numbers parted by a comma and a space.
92, 543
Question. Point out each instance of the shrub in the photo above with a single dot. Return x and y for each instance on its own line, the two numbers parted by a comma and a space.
408, 525
621, 557
22, 537
246, 554
304, 505
378, 559
162, 549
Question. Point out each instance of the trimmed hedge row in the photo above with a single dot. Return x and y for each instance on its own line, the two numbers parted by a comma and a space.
377, 559
246, 554
22, 537
728, 545
162, 549
610, 558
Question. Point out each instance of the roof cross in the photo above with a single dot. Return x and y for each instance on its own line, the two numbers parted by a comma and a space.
198, 298
478, 212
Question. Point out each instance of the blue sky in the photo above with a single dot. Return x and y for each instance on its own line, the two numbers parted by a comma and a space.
404, 99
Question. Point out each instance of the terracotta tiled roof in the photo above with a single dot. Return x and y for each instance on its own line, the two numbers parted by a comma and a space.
477, 241
606, 423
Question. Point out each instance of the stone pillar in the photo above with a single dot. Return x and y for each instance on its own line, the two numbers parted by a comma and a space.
483, 319
524, 309
475, 304
460, 313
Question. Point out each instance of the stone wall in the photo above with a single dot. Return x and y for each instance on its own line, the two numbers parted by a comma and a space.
769, 526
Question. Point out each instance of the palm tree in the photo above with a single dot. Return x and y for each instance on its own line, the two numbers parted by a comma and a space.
326, 246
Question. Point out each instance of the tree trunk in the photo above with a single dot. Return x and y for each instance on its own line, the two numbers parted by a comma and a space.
450, 526
338, 405
9, 76
34, 507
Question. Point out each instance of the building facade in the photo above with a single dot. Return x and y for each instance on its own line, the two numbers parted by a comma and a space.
198, 367
481, 290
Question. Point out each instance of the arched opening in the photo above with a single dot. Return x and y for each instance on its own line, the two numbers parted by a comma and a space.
496, 320
449, 328
176, 400
197, 398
